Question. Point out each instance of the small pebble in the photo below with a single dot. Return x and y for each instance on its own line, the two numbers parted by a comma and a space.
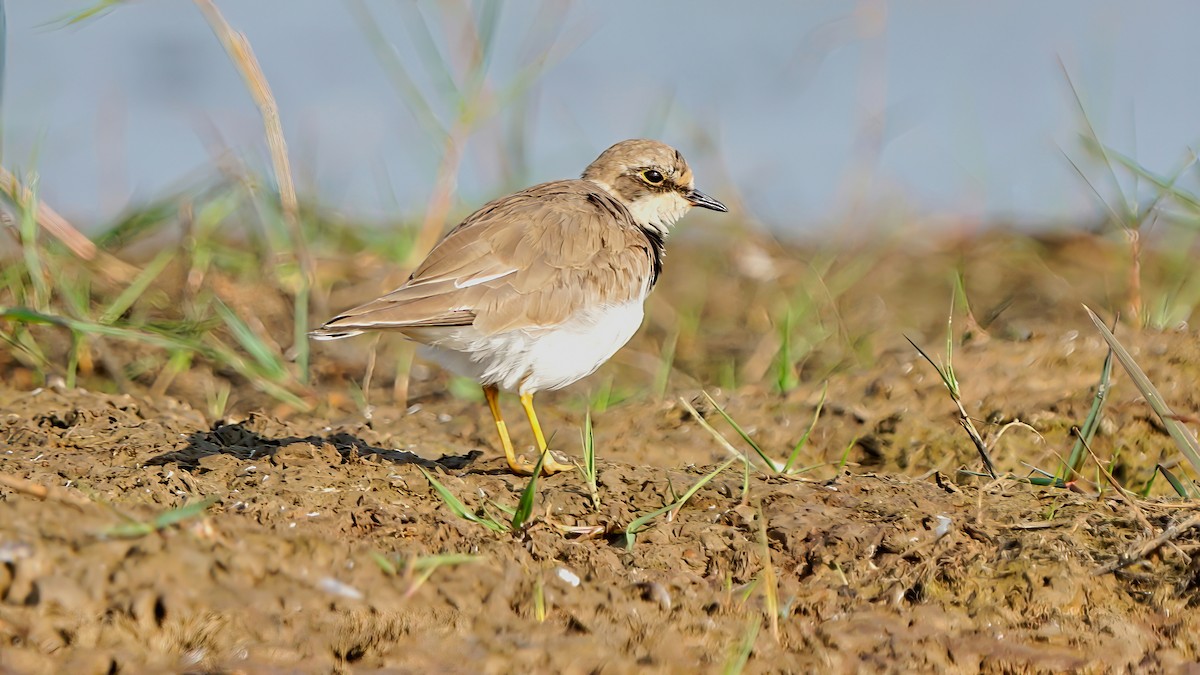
569, 577
335, 587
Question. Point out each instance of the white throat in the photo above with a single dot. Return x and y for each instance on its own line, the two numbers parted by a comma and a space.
657, 212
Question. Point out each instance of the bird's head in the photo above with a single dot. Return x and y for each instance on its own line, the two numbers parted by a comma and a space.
652, 180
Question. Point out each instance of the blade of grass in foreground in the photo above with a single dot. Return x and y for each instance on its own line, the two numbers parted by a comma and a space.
267, 359
588, 468
139, 285
1183, 437
1179, 486
640, 523
742, 432
1078, 452
738, 659
951, 381
134, 529
525, 505
458, 508
718, 436
787, 467
30, 248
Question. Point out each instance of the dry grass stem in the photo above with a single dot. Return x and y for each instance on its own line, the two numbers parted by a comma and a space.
242, 55
43, 492
1141, 551
61, 229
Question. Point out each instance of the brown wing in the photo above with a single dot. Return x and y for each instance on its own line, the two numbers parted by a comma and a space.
531, 259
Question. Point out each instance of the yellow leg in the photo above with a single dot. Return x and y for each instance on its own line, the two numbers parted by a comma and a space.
549, 465
492, 395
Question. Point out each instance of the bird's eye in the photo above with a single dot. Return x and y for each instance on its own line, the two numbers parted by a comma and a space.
652, 177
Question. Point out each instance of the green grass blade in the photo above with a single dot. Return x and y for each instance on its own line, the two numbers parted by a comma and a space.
786, 378
742, 432
1165, 184
525, 505
640, 523
745, 646
502, 508
271, 363
1179, 486
1079, 451
30, 248
431, 562
947, 378
717, 436
146, 219
589, 448
96, 10
385, 564
137, 287
800, 444
26, 315
184, 512
217, 351
1183, 437
133, 529
302, 347
666, 364
458, 508
588, 468
846, 456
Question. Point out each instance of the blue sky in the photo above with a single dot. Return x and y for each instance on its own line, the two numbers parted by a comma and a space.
800, 112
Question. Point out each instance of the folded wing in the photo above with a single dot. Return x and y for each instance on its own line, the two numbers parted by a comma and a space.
529, 260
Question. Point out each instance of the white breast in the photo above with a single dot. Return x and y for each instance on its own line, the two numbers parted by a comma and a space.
532, 360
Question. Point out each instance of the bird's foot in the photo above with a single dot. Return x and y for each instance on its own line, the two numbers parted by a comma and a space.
550, 466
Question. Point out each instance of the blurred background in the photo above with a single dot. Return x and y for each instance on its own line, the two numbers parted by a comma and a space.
241, 170
802, 114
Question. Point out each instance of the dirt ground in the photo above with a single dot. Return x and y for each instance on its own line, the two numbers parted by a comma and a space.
323, 547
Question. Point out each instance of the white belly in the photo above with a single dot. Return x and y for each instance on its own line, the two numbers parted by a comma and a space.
527, 361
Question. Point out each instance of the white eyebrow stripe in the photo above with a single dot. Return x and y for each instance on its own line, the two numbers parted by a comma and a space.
475, 281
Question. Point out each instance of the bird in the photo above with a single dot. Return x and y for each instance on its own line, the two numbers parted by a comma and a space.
537, 289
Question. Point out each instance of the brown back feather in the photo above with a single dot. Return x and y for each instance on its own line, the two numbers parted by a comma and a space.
542, 254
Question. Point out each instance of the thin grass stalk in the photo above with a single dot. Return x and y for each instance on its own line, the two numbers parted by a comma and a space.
1125, 495
1092, 423
666, 364
61, 229
639, 523
736, 427
457, 507
31, 249
588, 468
800, 444
240, 52
137, 287
394, 68
745, 647
770, 581
719, 437
1183, 437
964, 420
524, 508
